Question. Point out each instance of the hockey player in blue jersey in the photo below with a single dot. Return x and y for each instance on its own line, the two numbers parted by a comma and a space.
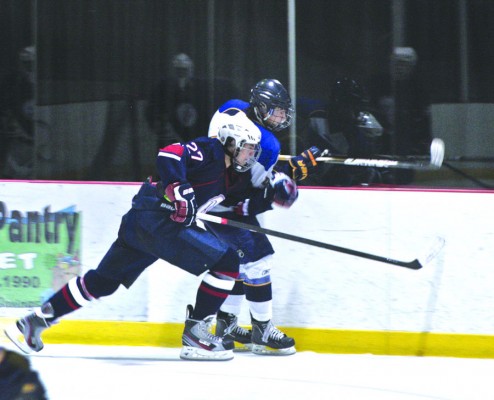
161, 225
270, 108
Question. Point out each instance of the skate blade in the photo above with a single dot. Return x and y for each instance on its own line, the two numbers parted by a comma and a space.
198, 354
242, 347
17, 337
269, 351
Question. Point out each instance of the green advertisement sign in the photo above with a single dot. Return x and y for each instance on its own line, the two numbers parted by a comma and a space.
39, 253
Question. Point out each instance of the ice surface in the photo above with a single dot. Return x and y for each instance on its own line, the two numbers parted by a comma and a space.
97, 372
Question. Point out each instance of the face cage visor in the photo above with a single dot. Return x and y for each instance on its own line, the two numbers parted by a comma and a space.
279, 126
249, 163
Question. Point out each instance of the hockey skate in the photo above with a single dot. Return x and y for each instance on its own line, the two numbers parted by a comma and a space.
201, 345
26, 332
269, 340
228, 328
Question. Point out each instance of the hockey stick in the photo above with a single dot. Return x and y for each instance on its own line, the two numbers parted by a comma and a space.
414, 264
467, 176
435, 161
474, 159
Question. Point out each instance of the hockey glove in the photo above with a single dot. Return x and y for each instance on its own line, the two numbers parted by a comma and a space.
285, 190
305, 163
184, 199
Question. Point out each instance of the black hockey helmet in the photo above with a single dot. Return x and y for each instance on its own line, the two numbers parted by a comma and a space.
265, 97
347, 94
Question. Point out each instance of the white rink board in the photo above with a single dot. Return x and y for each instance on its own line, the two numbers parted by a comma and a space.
315, 287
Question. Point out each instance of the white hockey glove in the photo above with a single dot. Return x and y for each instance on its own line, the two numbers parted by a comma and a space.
184, 199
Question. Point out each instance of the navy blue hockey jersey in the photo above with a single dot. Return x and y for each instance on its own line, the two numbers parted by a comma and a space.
201, 162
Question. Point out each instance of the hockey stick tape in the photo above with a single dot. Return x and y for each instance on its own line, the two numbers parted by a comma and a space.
437, 152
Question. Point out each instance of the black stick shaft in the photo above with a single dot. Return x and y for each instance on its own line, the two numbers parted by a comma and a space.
415, 264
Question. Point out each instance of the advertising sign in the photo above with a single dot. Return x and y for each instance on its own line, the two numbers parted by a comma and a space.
39, 252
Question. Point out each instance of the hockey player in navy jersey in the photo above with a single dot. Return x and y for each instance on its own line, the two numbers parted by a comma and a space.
161, 225
270, 108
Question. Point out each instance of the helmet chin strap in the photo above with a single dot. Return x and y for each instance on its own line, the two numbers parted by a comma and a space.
258, 115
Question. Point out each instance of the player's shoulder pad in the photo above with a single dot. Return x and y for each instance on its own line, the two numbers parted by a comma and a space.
233, 106
172, 151
203, 142
209, 146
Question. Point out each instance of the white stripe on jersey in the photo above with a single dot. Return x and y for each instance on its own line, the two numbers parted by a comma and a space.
169, 155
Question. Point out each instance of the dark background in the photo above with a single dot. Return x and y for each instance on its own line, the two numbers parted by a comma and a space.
108, 50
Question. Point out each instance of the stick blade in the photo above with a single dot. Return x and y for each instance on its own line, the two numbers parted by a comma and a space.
437, 153
437, 245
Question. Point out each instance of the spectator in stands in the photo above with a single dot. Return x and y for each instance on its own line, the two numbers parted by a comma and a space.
346, 128
411, 124
402, 106
179, 106
17, 151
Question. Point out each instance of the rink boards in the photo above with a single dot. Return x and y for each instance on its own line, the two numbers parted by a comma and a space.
330, 302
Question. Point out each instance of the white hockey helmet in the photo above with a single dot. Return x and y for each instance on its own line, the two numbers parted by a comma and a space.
238, 131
